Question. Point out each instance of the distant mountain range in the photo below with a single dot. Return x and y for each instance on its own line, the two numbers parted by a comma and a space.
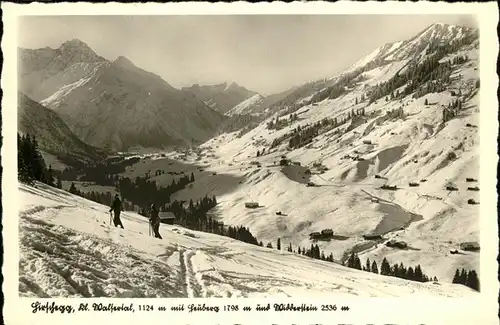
222, 97
118, 106
113, 105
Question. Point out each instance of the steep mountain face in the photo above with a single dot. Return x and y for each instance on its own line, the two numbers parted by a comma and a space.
52, 134
42, 72
113, 105
406, 118
222, 97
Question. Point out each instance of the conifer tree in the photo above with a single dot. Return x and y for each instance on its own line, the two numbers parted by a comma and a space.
472, 280
357, 262
72, 189
463, 277
385, 268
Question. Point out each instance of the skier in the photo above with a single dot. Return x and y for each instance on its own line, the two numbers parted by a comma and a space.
154, 220
116, 207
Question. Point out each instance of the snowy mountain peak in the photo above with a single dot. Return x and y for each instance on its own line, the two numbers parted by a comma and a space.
76, 48
415, 47
123, 62
443, 32
74, 43
230, 84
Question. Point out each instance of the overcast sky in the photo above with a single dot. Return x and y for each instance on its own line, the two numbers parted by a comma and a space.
263, 53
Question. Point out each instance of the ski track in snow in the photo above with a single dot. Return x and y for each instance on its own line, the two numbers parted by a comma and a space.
72, 264
193, 287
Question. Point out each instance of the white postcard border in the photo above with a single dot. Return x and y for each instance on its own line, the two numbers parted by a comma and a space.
480, 310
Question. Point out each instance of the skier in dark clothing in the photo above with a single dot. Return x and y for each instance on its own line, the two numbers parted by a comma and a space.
154, 220
116, 207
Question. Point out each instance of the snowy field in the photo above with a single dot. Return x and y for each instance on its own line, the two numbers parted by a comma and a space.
67, 249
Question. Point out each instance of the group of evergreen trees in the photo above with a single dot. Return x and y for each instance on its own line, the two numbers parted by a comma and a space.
195, 217
362, 99
31, 165
239, 122
278, 124
343, 84
400, 271
432, 72
101, 198
102, 173
353, 261
313, 252
395, 113
302, 136
452, 110
469, 279
459, 59
397, 270
139, 193
143, 192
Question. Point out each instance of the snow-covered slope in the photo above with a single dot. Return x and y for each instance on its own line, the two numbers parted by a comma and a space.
67, 249
245, 106
417, 148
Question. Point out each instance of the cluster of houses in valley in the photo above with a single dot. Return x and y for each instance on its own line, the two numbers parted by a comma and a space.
449, 187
